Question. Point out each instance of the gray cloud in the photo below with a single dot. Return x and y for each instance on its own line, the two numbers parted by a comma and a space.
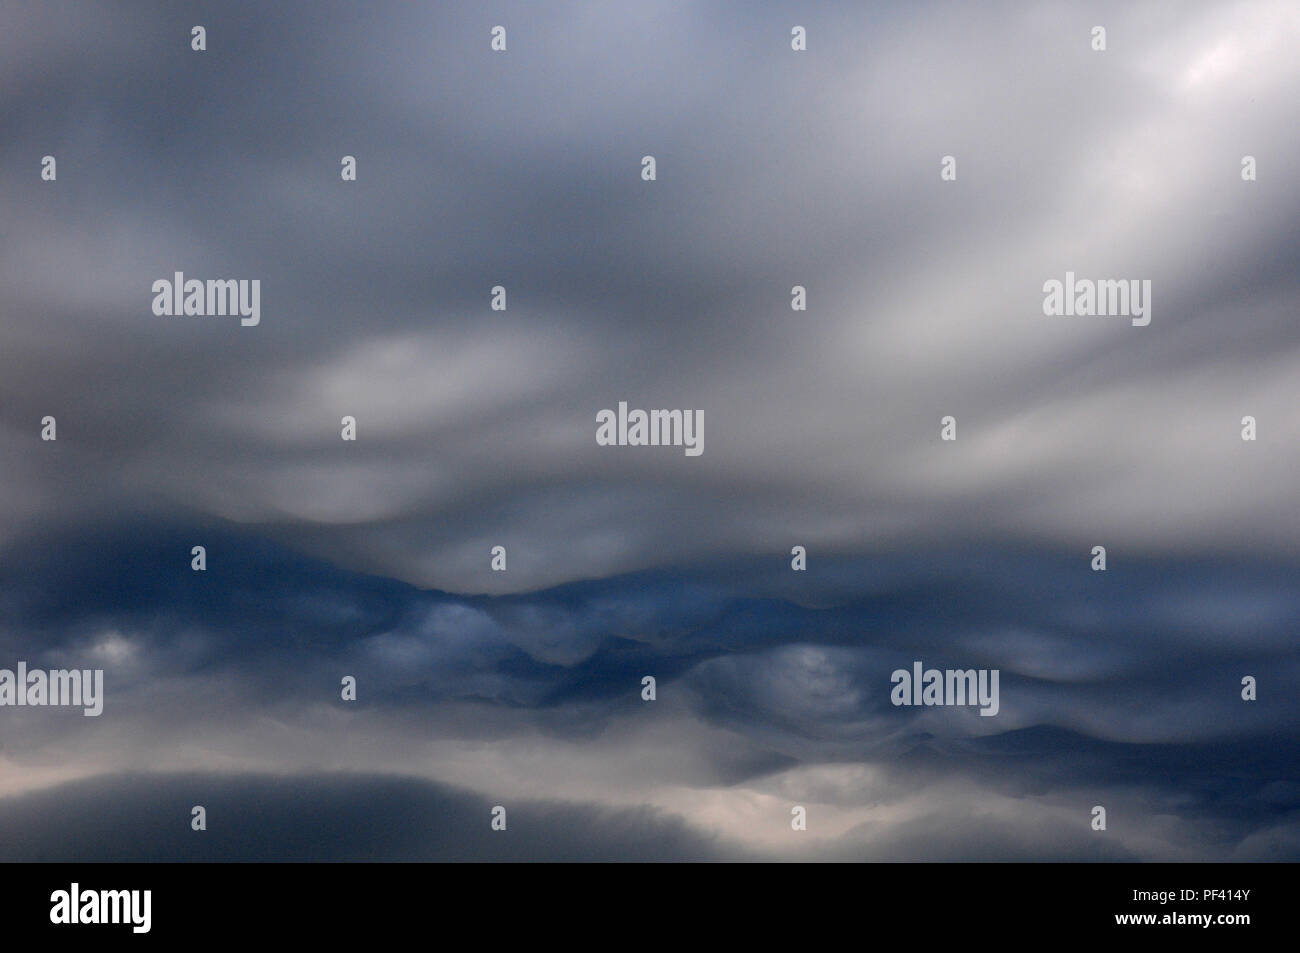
768, 694
477, 427
324, 818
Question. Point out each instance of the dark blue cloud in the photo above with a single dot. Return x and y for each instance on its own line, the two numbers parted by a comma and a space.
326, 818
1127, 681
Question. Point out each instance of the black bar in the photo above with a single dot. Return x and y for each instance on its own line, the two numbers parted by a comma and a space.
666, 903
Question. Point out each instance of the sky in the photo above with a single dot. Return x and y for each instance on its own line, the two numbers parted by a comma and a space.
476, 428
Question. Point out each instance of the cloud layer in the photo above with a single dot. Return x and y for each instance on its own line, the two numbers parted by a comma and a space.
1120, 689
476, 428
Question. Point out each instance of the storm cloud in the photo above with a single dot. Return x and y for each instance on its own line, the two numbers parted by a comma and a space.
476, 427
